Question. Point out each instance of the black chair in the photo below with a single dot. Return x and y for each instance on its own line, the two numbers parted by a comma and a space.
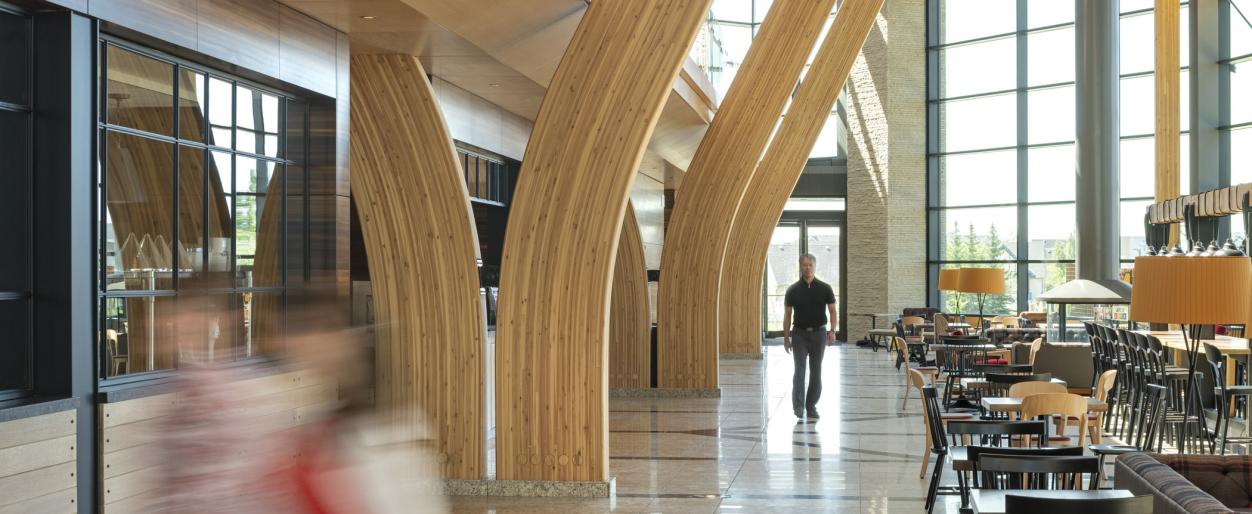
1017, 504
1151, 437
938, 444
989, 433
1036, 472
1226, 399
969, 479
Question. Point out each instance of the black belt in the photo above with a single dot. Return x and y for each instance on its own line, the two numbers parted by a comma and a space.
812, 329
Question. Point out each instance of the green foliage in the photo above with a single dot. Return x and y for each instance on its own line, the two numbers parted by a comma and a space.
972, 247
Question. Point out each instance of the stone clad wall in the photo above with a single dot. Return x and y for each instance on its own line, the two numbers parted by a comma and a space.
886, 106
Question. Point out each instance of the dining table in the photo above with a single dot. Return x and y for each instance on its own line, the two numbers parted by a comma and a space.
1229, 346
1014, 405
991, 501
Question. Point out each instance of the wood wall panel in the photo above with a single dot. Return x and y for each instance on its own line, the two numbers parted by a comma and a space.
630, 348
37, 464
559, 251
305, 46
720, 171
422, 245
242, 32
134, 432
744, 263
168, 20
1167, 84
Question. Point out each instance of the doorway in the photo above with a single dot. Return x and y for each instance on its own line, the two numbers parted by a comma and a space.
818, 233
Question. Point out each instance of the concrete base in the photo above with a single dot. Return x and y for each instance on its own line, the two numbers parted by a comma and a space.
756, 356
543, 488
665, 392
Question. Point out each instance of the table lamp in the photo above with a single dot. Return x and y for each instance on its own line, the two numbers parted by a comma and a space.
1191, 291
949, 280
981, 281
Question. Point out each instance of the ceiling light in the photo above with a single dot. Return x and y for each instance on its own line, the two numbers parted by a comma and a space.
368, 17
493, 84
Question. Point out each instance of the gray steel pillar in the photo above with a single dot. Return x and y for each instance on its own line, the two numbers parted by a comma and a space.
1097, 202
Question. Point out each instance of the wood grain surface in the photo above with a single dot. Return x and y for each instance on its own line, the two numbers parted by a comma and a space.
422, 246
630, 348
743, 265
1167, 83
687, 309
561, 244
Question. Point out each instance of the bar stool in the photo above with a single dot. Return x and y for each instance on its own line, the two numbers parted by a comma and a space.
1226, 400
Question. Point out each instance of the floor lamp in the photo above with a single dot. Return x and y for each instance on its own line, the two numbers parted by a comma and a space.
949, 280
1192, 292
982, 282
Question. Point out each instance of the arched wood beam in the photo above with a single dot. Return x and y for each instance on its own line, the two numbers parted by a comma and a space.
744, 263
630, 348
559, 250
422, 246
719, 172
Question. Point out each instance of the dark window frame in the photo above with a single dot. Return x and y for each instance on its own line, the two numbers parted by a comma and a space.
25, 344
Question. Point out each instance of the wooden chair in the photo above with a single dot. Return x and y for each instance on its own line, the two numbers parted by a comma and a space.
1095, 421
1034, 349
117, 358
1018, 504
909, 322
1024, 389
929, 375
1060, 405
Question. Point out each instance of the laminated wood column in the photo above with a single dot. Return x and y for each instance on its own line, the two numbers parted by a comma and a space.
559, 251
422, 246
776, 176
1167, 104
720, 171
630, 348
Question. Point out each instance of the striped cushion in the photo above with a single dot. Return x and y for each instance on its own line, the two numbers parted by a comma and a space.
1228, 478
1170, 483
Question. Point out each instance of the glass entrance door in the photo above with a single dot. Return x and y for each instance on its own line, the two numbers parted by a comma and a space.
818, 234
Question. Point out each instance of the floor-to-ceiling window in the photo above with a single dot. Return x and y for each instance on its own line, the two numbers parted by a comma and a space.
17, 347
1001, 150
1235, 123
203, 212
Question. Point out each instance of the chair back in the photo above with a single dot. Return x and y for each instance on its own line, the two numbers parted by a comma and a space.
934, 420
1034, 349
1036, 471
1024, 389
1011, 322
996, 433
1150, 438
998, 384
974, 453
941, 325
1218, 363
1057, 404
908, 322
1018, 504
1105, 384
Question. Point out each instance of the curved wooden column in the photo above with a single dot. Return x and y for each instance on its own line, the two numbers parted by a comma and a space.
630, 348
422, 246
776, 176
719, 172
559, 251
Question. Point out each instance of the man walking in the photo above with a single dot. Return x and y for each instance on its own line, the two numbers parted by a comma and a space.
810, 299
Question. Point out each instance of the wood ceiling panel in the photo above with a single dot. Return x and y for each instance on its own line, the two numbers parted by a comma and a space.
565, 224
687, 311
743, 266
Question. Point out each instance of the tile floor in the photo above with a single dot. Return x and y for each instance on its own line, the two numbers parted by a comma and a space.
746, 452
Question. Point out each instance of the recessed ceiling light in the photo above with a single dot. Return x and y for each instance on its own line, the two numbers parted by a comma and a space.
493, 84
368, 17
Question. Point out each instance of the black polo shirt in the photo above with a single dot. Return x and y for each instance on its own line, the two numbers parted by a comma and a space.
808, 302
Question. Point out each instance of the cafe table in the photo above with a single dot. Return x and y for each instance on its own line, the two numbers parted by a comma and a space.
1004, 404
991, 501
1229, 346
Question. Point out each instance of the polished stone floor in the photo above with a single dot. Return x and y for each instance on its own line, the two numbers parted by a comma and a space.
746, 452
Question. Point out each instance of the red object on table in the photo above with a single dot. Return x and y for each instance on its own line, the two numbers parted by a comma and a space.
1220, 330
957, 332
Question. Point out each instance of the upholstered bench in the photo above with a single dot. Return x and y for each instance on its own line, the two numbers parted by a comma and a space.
1188, 483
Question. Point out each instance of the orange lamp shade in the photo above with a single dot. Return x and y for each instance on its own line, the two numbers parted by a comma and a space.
1192, 290
981, 280
949, 279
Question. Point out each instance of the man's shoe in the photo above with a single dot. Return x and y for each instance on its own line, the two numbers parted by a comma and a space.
799, 413
813, 414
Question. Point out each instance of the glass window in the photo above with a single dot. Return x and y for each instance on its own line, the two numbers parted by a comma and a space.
1052, 177
1133, 241
979, 234
1050, 55
969, 19
17, 348
1240, 88
15, 33
731, 44
827, 144
1239, 25
1050, 115
780, 271
733, 10
1138, 105
1137, 160
984, 122
1051, 232
1241, 155
1042, 13
978, 178
1045, 276
209, 269
965, 71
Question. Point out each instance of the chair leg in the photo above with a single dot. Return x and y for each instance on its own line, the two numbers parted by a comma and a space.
1094, 427
925, 462
932, 495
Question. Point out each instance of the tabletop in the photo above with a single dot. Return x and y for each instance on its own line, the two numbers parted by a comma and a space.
991, 501
978, 381
1173, 340
1003, 404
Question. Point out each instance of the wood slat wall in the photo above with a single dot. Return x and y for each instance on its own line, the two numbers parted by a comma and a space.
37, 464
720, 171
133, 430
1167, 83
743, 266
422, 245
630, 348
559, 252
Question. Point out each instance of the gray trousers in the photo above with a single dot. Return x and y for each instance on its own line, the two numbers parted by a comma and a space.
810, 346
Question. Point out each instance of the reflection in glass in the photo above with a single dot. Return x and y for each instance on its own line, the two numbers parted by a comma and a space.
191, 96
263, 323
256, 115
139, 205
258, 234
191, 213
978, 178
139, 334
15, 209
781, 270
140, 92
15, 367
221, 94
221, 225
15, 61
